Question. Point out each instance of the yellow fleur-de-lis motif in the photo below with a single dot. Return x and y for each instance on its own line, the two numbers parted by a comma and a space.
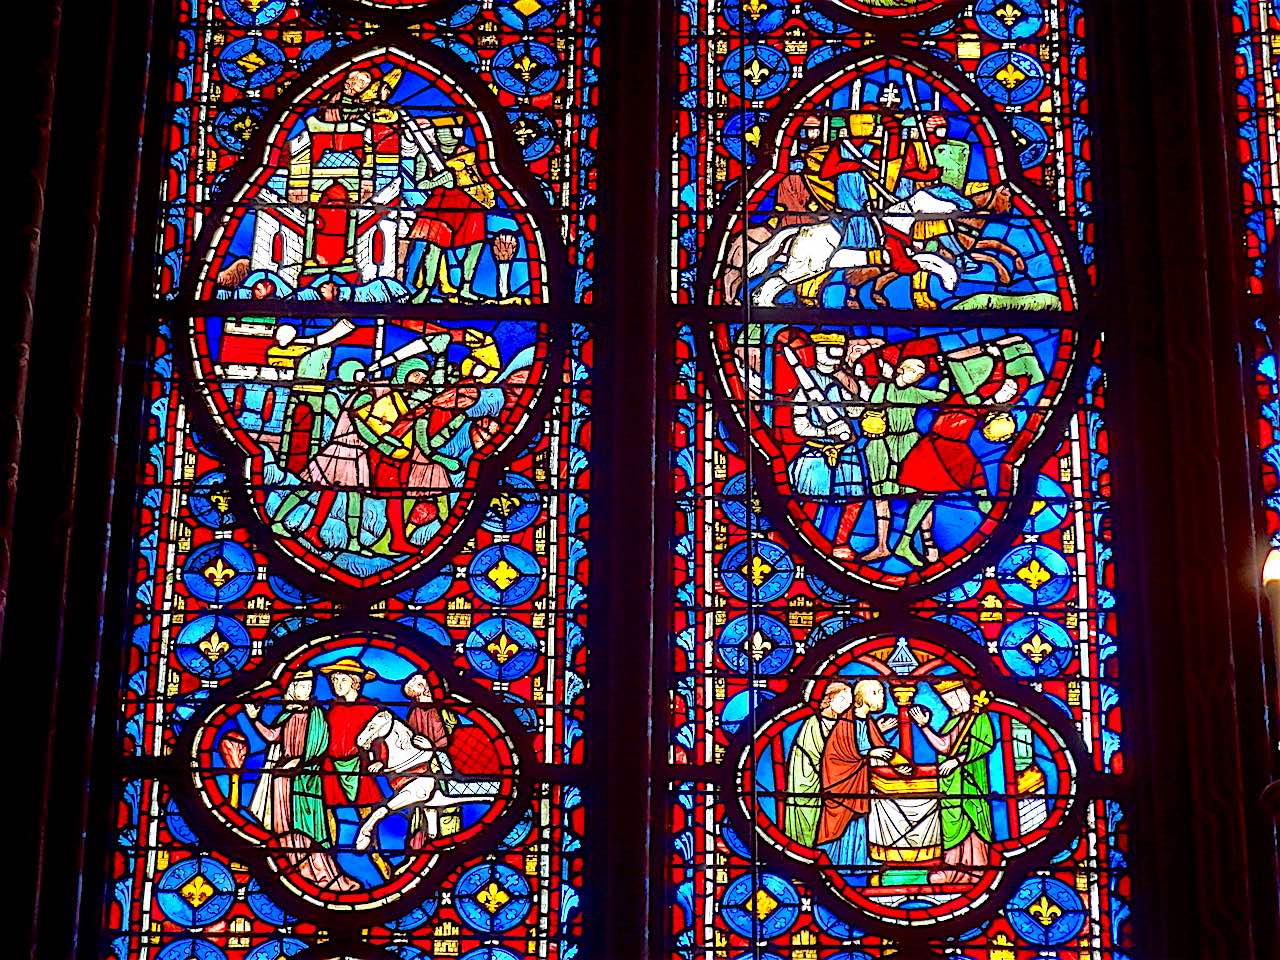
506, 504
220, 499
755, 9
253, 6
1045, 911
493, 898
214, 647
1009, 14
502, 648
197, 891
1010, 76
752, 136
526, 66
1034, 575
524, 133
243, 129
756, 72
220, 573
758, 570
981, 700
1037, 649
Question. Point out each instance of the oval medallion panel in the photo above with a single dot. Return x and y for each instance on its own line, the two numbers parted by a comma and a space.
911, 785
893, 452
373, 346
350, 771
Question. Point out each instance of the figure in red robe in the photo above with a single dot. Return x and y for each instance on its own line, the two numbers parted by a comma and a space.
986, 380
350, 772
855, 745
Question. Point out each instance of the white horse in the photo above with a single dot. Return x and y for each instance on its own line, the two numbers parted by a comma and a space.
408, 766
813, 249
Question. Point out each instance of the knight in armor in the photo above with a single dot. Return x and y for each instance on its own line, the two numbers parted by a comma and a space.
451, 219
852, 163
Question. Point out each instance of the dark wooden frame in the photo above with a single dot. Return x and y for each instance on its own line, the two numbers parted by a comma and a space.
1201, 739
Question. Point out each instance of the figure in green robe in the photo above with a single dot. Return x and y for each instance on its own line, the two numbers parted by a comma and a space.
890, 423
803, 801
966, 739
288, 800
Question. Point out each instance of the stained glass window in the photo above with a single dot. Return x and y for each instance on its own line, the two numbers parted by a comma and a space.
893, 682
1257, 29
352, 712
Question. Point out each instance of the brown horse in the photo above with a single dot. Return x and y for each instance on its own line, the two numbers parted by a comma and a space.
994, 201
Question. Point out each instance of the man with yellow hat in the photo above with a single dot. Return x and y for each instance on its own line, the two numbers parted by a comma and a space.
350, 772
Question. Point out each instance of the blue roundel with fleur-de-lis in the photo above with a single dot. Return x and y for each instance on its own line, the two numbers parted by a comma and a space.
212, 647
1010, 77
1035, 648
756, 71
250, 14
534, 131
741, 504
196, 892
502, 648
526, 68
1045, 912
1009, 20
219, 572
1034, 575
758, 571
209, 501
741, 137
492, 898
235, 126
515, 506
755, 16
756, 644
